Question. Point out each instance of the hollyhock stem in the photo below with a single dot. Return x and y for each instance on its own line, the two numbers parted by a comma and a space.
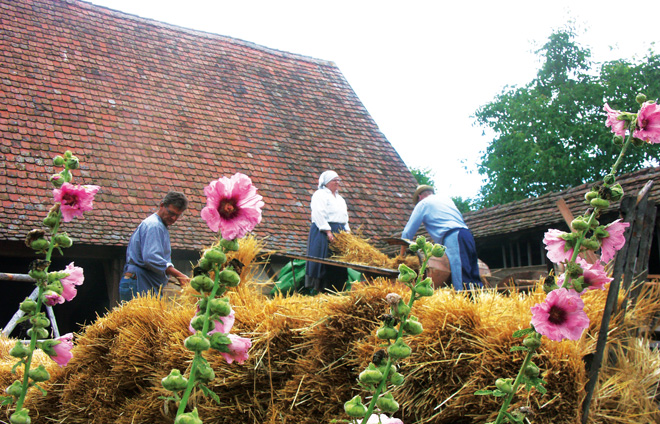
198, 355
33, 336
383, 383
516, 383
625, 146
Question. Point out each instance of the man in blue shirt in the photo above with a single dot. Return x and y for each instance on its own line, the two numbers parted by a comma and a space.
444, 223
148, 256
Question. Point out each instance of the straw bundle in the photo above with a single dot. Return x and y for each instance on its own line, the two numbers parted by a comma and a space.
308, 351
353, 248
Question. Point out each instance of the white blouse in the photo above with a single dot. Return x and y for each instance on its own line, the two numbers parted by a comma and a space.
327, 207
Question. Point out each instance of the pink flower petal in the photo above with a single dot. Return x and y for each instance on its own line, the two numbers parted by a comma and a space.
233, 206
238, 349
556, 246
63, 350
610, 245
648, 123
618, 127
74, 279
74, 199
561, 316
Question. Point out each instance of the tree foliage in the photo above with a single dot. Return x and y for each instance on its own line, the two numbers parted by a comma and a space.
424, 176
550, 134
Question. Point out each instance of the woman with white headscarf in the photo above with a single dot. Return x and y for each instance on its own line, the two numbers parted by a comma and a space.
329, 215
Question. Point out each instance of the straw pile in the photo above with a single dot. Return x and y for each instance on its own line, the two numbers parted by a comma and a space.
308, 351
353, 248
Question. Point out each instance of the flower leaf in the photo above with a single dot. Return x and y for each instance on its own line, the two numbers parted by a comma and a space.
518, 348
483, 392
523, 332
208, 392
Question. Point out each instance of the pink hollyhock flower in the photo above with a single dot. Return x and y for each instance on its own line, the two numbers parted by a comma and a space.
74, 199
556, 246
238, 349
233, 206
52, 298
648, 123
610, 245
618, 126
223, 326
69, 283
561, 316
62, 350
594, 275
383, 419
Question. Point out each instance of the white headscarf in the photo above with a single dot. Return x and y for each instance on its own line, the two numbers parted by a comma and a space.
326, 177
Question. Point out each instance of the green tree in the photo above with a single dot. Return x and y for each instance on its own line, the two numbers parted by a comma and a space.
424, 176
550, 134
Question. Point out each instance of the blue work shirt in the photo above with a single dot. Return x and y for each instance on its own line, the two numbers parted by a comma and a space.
149, 254
438, 214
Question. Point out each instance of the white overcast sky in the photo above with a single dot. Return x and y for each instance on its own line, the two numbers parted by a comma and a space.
421, 68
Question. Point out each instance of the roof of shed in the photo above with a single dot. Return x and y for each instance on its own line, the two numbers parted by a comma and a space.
542, 211
149, 107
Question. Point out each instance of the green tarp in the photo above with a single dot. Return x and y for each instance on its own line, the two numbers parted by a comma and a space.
285, 283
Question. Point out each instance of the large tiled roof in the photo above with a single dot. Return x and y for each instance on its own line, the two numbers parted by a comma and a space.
542, 211
149, 107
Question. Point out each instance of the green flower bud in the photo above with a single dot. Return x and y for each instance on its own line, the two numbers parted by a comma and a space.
371, 375
580, 224
196, 343
600, 203
56, 286
40, 244
201, 283
220, 342
39, 374
609, 179
229, 277
198, 322
38, 274
41, 333
39, 321
532, 370
386, 403
590, 195
57, 180
15, 389
504, 384
532, 342
204, 372
58, 160
424, 287
215, 256
229, 245
438, 250
401, 310
616, 192
220, 306
413, 327
406, 274
413, 248
175, 381
28, 306
63, 240
355, 408
420, 242
399, 350
617, 140
397, 378
68, 154
73, 163
578, 284
387, 333
591, 243
205, 264
641, 98
383, 368
19, 350
20, 417
50, 221
56, 276
188, 418
549, 283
